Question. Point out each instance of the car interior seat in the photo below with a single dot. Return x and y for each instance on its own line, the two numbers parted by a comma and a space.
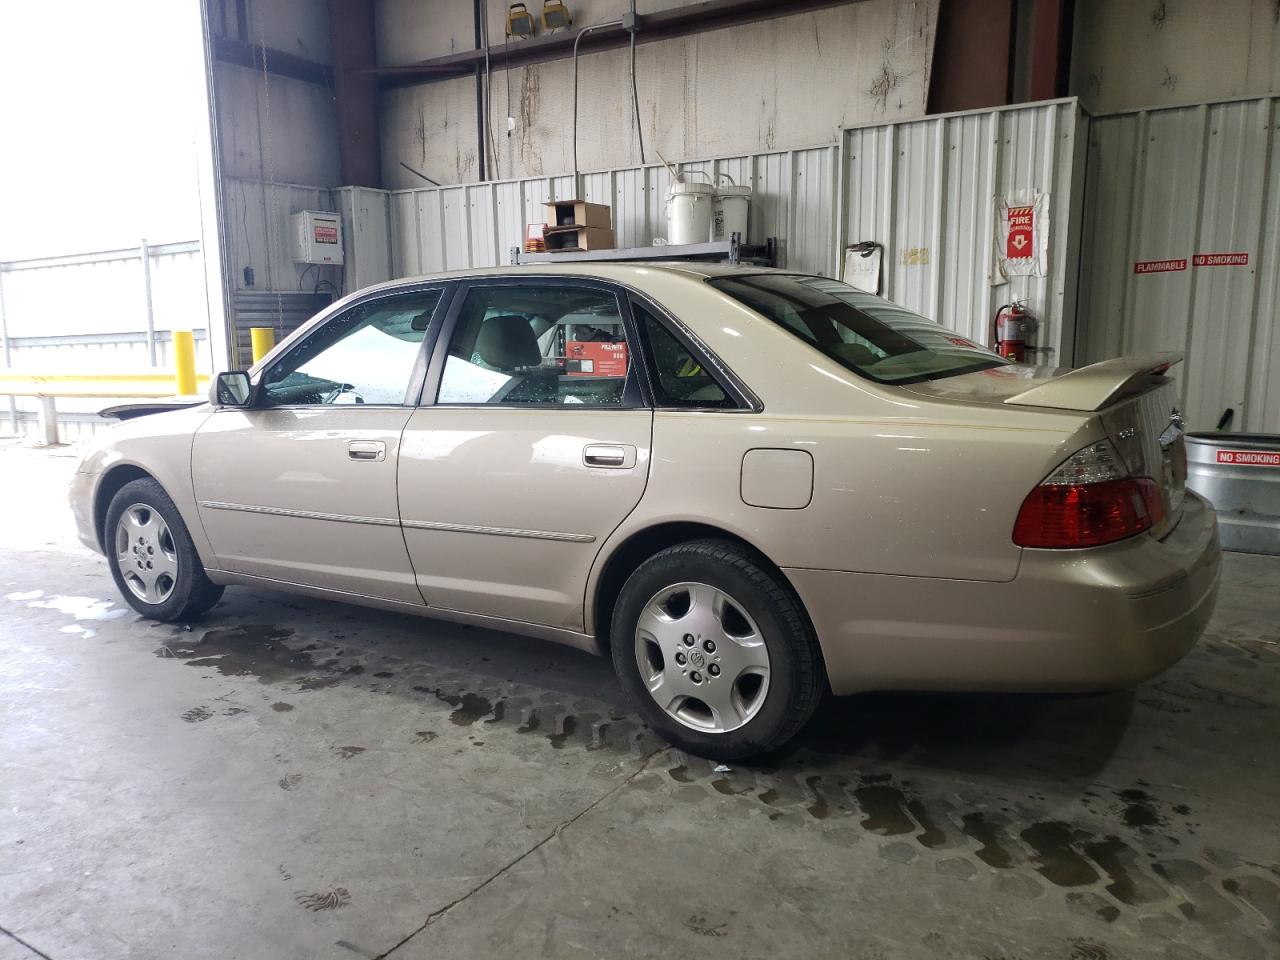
508, 344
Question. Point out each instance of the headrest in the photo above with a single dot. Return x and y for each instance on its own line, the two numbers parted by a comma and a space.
508, 342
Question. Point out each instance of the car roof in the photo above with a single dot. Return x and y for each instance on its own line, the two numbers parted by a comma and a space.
602, 269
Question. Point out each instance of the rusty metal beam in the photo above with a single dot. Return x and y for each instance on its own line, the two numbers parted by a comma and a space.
972, 55
662, 25
351, 35
240, 53
1051, 24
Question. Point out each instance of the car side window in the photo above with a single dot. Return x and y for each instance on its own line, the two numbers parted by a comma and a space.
554, 344
365, 355
680, 379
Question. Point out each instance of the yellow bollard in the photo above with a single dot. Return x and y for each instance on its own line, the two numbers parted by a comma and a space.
262, 339
184, 362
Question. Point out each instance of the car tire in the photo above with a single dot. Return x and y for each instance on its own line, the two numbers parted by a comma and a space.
762, 677
152, 558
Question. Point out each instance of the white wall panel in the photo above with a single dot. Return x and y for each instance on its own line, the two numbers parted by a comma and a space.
440, 228
927, 190
257, 222
1169, 184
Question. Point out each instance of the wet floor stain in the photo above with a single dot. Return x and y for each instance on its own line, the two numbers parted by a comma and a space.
346, 753
425, 736
1115, 857
680, 774
325, 900
290, 781
558, 739
1056, 859
244, 650
993, 851
531, 724
317, 683
234, 711
819, 809
197, 714
1082, 949
1139, 810
933, 836
468, 707
281, 707
884, 810
384, 674
499, 713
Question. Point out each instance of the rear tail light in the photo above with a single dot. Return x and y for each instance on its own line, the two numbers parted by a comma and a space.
1088, 501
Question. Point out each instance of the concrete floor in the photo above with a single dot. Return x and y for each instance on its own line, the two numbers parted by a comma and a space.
291, 778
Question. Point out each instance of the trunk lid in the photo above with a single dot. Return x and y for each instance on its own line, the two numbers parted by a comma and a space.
1135, 401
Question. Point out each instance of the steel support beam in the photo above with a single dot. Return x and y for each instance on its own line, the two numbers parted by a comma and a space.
972, 55
1051, 25
240, 53
661, 25
351, 34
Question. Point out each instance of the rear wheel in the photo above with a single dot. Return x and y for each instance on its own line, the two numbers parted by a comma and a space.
153, 561
714, 651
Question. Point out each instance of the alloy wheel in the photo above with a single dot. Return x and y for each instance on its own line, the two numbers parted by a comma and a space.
701, 657
146, 554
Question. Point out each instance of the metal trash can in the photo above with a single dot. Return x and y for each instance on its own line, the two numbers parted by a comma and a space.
1239, 473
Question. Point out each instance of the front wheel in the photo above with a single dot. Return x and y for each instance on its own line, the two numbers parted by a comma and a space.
153, 561
714, 651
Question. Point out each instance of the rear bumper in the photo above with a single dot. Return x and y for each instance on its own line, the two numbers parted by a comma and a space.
1072, 620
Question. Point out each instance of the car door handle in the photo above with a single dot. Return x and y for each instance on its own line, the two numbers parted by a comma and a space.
617, 456
369, 450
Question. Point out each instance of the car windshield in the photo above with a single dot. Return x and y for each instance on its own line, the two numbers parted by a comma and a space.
868, 335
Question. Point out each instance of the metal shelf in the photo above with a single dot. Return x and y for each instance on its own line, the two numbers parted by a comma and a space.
718, 251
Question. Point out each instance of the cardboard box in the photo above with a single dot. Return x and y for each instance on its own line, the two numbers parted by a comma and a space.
574, 239
579, 213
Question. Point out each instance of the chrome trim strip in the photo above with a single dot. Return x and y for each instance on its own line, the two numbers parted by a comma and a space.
500, 531
412, 524
301, 514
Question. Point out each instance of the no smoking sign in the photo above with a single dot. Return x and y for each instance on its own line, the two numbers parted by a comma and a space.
1021, 240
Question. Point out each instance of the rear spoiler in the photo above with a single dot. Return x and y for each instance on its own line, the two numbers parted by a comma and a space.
1094, 386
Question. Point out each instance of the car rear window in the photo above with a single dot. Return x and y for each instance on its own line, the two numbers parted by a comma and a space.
868, 335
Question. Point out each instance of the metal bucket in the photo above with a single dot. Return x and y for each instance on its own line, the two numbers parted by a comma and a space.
1239, 473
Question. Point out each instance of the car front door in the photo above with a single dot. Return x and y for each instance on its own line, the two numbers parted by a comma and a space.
531, 446
301, 485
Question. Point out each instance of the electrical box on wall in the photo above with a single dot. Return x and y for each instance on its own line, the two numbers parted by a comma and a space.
317, 237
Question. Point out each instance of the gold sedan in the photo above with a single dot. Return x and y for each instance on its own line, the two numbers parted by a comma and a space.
748, 487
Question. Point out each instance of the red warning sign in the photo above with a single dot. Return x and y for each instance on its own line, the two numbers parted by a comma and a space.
1220, 260
1021, 243
1250, 458
1160, 266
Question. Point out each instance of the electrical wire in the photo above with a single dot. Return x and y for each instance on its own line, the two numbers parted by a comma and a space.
576, 40
488, 95
635, 91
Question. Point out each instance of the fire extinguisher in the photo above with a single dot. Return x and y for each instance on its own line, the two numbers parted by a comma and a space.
1009, 331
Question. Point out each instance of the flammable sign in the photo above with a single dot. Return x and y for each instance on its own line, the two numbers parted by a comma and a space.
1021, 241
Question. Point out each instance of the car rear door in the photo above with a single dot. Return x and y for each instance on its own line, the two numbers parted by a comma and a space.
300, 487
531, 445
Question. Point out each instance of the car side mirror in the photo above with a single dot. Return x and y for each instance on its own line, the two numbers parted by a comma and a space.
231, 389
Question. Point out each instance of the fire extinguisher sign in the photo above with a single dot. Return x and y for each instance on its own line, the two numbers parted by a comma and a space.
1021, 244
1020, 234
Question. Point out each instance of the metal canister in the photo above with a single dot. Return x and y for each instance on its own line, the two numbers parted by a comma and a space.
1239, 473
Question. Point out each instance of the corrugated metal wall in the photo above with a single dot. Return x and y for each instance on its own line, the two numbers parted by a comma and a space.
926, 190
476, 225
257, 224
1166, 185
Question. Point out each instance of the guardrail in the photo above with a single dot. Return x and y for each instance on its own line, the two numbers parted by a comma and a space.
47, 387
